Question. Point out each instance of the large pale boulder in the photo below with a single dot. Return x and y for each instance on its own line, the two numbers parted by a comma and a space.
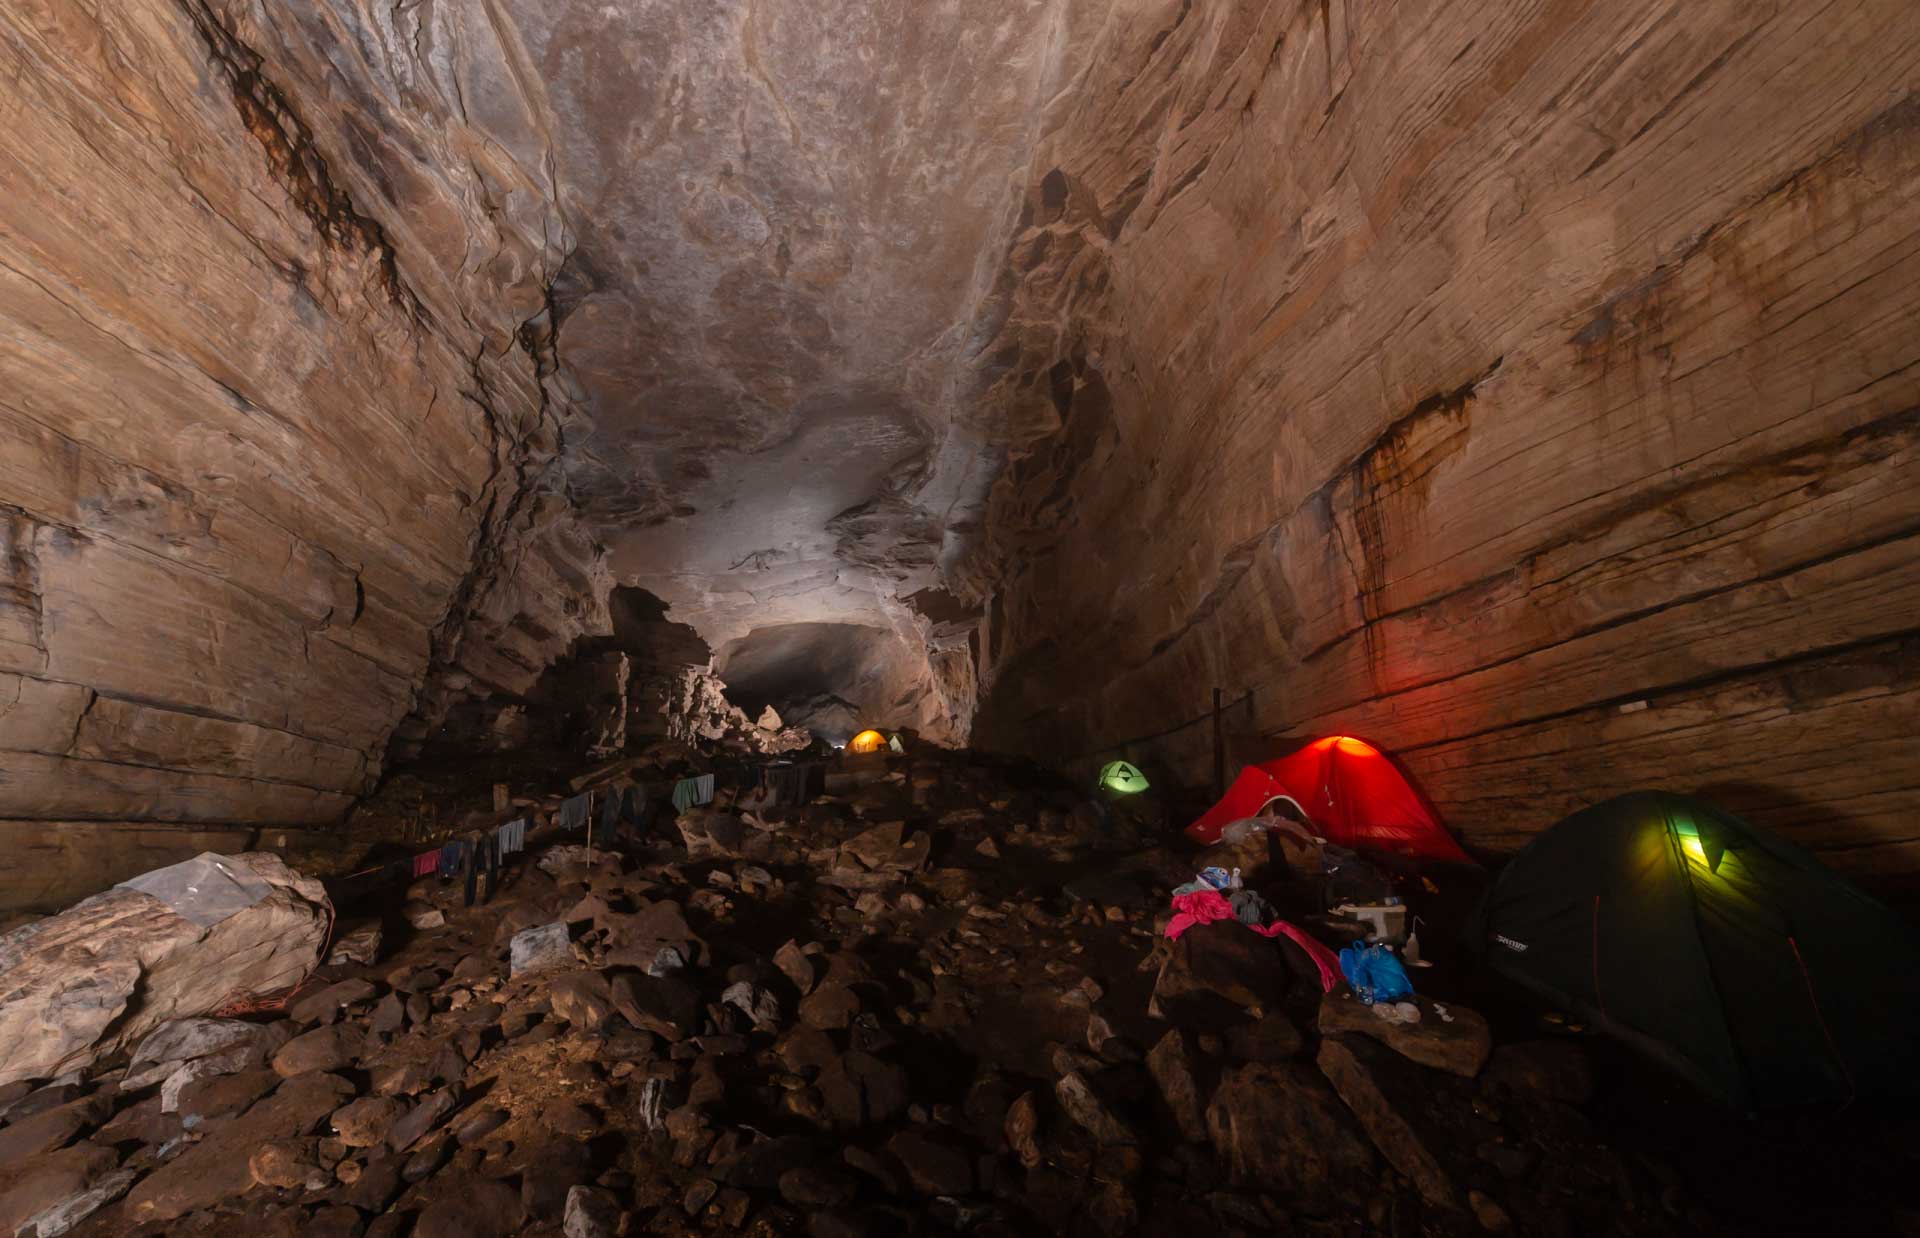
107, 971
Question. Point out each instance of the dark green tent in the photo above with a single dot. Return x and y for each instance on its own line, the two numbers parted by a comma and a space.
1718, 948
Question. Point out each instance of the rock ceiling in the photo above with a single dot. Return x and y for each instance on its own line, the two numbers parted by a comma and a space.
786, 222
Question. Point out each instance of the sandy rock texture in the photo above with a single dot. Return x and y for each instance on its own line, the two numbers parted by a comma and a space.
279, 408
1527, 388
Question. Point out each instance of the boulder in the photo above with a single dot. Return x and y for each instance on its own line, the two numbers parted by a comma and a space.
641, 938
711, 833
858, 1089
1280, 1129
1540, 1069
471, 1208
1022, 1129
933, 1165
358, 944
234, 1043
669, 1008
1385, 1094
540, 948
1176, 1073
829, 1007
421, 1119
759, 1005
323, 1048
71, 1209
590, 1213
1081, 1103
796, 965
289, 1164
222, 1095
322, 1004
1272, 1039
38, 1185
583, 999
1218, 975
43, 1132
71, 980
217, 1168
365, 1122
1457, 1043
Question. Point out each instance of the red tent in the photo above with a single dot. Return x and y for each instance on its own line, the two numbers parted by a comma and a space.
1352, 793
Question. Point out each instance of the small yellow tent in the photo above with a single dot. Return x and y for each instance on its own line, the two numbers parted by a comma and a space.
867, 741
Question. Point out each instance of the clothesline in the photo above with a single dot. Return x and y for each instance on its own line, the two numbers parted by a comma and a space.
477, 853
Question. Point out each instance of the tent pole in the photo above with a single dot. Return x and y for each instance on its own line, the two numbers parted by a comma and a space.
1219, 751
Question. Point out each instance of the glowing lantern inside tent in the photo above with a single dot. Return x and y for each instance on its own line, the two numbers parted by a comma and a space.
1123, 778
867, 741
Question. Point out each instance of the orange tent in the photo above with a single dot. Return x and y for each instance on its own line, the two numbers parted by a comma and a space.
1352, 793
867, 741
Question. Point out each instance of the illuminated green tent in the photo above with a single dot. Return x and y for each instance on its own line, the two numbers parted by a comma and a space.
1121, 777
1715, 947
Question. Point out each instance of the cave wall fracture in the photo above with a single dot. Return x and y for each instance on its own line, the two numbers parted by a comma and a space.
1530, 388
277, 421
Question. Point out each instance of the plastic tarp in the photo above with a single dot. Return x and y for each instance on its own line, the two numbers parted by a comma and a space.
1352, 793
204, 890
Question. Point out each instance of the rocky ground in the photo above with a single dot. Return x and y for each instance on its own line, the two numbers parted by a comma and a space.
933, 1001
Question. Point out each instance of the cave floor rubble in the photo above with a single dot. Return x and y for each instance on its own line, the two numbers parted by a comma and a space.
920, 1005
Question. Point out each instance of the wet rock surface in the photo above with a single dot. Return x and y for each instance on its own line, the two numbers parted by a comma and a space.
970, 1047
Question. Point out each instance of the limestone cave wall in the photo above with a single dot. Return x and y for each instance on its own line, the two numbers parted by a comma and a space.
279, 411
1531, 388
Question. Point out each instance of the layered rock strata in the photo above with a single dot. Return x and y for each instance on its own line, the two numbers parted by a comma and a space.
1529, 389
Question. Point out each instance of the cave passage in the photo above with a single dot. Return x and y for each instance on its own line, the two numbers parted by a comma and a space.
470, 469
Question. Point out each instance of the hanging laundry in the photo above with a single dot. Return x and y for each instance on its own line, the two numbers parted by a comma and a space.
634, 805
691, 791
512, 836
609, 811
426, 863
788, 782
573, 812
451, 857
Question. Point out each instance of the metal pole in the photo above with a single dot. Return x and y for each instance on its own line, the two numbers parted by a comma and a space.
1219, 751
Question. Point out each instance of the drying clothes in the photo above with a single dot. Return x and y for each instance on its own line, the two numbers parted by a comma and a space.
691, 791
1249, 908
512, 836
1203, 907
609, 811
452, 856
634, 805
471, 870
1324, 960
426, 863
573, 812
